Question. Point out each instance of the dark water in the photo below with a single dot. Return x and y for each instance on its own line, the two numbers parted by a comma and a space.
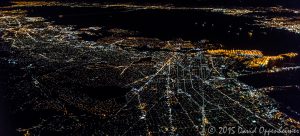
286, 78
173, 24
288, 98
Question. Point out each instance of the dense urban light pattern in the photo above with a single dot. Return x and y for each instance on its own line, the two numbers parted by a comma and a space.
124, 83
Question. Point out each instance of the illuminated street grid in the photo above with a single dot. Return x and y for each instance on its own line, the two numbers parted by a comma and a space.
175, 93
190, 102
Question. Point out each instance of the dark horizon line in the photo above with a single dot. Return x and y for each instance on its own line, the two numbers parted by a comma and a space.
242, 3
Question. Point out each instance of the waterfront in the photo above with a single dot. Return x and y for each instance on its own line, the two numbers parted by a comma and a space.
145, 69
